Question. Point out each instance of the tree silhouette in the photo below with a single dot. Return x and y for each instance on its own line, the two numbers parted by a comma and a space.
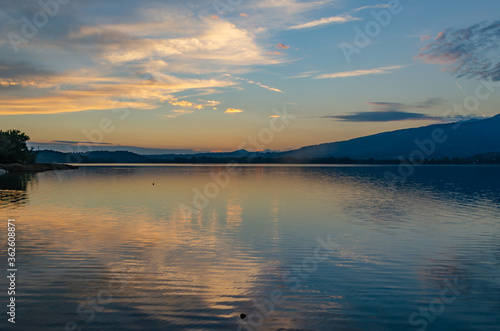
13, 148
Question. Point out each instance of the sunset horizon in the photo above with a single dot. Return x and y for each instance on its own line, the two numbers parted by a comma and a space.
167, 75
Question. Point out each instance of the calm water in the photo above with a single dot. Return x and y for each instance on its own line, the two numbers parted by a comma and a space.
294, 248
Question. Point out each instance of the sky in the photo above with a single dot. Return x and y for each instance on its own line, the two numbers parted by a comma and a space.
210, 75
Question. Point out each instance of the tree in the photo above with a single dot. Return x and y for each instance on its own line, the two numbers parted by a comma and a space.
13, 148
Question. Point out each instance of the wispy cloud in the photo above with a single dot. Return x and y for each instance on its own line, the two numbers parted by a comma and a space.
249, 81
270, 88
429, 103
177, 112
210, 103
303, 74
275, 15
233, 111
188, 104
292, 6
184, 103
378, 6
472, 52
327, 20
71, 142
391, 112
353, 73
343, 18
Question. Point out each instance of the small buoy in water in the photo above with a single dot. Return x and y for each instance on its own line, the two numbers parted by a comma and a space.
242, 316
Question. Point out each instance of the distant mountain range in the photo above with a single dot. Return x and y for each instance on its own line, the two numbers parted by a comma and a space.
75, 146
467, 141
463, 139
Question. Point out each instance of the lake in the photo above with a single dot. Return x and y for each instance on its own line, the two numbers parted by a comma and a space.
291, 247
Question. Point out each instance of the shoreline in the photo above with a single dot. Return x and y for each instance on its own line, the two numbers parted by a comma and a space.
37, 167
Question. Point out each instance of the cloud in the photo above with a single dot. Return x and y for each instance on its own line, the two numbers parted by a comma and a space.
22, 70
211, 103
396, 106
19, 75
424, 38
274, 53
258, 84
375, 71
71, 142
430, 103
214, 42
303, 74
270, 88
103, 56
184, 103
378, 6
472, 52
392, 111
344, 18
177, 113
291, 6
274, 15
88, 90
381, 116
233, 111
180, 46
327, 20
187, 104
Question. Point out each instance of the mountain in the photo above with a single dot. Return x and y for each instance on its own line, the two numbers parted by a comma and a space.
48, 156
74, 147
461, 139
238, 153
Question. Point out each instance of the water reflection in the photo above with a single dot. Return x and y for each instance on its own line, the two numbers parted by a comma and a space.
14, 187
108, 233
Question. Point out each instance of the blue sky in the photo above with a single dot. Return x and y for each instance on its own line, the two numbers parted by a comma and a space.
207, 74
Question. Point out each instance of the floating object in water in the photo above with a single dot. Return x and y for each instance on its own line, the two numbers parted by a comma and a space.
153, 184
242, 316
